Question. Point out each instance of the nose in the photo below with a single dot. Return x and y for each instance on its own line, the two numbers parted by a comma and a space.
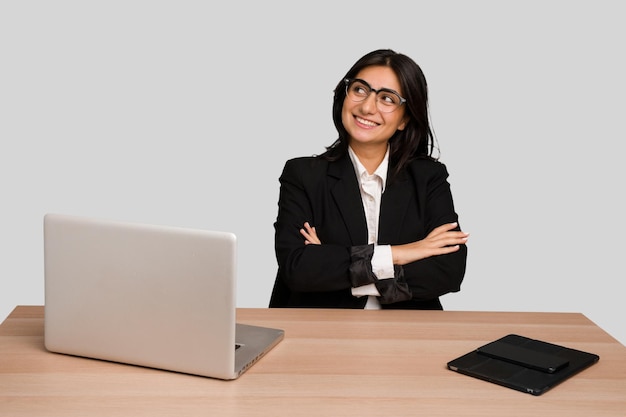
370, 105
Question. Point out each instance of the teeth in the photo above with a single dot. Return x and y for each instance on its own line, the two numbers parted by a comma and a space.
366, 122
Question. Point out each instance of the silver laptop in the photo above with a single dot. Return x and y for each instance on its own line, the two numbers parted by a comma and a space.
154, 296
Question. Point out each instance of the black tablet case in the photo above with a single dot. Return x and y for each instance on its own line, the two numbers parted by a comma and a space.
523, 364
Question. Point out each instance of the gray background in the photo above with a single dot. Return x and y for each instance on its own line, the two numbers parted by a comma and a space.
183, 113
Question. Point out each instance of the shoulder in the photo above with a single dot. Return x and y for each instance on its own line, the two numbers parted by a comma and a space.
427, 173
305, 167
302, 161
314, 170
305, 164
428, 168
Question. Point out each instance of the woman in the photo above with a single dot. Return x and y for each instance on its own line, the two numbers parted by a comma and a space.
370, 223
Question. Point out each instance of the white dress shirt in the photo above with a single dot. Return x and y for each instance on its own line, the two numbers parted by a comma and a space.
372, 188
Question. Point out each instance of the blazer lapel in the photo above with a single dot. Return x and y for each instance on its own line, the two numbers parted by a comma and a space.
392, 209
346, 193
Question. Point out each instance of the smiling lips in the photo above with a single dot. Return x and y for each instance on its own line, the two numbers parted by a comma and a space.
366, 122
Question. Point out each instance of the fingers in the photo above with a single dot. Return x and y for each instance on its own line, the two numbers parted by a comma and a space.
310, 235
454, 238
442, 240
445, 235
443, 228
308, 231
447, 240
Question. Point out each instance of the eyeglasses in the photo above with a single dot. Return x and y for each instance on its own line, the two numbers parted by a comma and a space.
387, 100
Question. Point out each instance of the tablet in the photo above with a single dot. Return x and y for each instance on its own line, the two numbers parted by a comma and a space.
523, 364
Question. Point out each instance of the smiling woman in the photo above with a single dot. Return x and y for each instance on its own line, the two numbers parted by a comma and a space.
371, 222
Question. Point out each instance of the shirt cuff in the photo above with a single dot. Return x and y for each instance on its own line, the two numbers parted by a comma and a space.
363, 290
382, 262
382, 267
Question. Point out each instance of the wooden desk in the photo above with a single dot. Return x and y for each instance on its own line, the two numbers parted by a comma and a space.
331, 363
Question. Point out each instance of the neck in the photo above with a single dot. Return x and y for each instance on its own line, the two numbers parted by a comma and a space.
370, 156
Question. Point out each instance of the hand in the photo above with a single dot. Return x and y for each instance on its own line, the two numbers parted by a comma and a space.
310, 235
442, 240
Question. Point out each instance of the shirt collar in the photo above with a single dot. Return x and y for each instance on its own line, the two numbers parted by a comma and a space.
362, 173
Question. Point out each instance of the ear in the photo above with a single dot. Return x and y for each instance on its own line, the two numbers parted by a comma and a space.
405, 120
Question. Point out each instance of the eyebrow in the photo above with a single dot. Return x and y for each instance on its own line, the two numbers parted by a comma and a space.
376, 90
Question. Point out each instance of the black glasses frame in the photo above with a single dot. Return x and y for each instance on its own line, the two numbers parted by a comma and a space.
349, 81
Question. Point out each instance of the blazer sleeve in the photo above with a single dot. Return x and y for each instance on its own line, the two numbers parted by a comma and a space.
437, 275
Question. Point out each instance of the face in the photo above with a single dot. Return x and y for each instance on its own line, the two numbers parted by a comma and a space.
363, 121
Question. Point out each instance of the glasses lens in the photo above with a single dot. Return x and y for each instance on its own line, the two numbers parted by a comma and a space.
358, 90
387, 100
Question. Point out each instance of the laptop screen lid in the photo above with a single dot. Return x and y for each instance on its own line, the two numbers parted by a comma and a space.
155, 296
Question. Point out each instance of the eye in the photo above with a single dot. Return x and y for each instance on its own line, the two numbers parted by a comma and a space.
388, 98
359, 89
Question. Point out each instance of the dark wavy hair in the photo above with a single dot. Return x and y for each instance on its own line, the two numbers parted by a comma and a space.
416, 140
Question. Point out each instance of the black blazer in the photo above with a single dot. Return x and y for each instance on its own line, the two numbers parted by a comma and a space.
326, 194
